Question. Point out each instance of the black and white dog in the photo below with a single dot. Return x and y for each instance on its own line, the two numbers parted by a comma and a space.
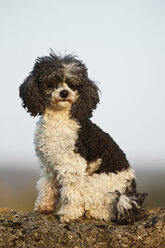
83, 169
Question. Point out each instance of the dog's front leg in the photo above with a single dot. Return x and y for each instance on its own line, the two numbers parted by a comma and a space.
47, 195
72, 203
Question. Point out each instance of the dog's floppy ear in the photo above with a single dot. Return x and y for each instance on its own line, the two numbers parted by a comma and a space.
31, 96
86, 102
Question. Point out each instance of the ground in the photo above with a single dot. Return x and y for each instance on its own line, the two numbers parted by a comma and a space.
19, 229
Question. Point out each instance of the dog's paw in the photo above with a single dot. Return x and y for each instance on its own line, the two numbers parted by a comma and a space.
44, 209
93, 166
64, 218
70, 213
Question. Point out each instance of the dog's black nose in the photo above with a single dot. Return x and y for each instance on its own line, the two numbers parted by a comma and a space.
64, 93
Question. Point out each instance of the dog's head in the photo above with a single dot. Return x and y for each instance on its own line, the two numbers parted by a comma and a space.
59, 83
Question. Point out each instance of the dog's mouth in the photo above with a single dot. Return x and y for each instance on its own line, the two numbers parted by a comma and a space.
61, 100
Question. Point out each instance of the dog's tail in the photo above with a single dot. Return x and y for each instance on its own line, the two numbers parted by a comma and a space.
128, 208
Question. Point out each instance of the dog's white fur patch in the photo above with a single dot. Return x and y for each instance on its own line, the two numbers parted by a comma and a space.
69, 69
66, 172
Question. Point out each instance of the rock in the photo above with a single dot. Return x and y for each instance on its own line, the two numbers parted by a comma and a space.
22, 230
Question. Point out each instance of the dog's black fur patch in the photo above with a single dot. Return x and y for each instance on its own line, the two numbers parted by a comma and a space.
93, 143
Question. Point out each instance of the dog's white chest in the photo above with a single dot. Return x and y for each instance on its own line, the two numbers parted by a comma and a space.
55, 139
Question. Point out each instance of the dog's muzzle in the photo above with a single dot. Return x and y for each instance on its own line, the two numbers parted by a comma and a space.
61, 96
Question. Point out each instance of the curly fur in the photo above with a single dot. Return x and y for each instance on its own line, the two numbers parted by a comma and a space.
84, 172
52, 70
32, 97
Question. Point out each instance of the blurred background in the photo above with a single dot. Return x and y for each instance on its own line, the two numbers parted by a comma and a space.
122, 44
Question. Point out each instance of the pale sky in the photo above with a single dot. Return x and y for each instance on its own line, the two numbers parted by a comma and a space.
122, 42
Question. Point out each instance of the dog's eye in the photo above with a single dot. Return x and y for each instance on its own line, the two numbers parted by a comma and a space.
71, 85
51, 85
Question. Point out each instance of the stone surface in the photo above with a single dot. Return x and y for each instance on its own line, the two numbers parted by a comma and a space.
19, 229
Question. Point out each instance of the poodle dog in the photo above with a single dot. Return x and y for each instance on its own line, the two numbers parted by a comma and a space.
83, 171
